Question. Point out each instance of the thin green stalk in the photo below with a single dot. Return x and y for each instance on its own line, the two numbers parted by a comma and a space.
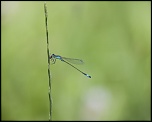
48, 53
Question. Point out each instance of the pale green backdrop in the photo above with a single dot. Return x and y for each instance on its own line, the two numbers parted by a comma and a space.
113, 39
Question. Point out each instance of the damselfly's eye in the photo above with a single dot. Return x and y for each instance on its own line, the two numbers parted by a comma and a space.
50, 56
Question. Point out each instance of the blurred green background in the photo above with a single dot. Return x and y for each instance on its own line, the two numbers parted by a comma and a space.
113, 39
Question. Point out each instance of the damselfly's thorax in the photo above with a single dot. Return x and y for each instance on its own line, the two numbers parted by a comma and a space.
53, 58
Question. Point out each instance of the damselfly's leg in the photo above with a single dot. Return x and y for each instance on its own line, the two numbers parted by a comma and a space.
53, 60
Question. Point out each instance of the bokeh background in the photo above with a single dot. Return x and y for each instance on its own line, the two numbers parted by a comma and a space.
113, 39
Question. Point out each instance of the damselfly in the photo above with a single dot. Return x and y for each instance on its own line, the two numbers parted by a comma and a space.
53, 58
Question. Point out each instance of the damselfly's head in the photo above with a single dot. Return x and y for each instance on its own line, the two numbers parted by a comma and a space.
52, 56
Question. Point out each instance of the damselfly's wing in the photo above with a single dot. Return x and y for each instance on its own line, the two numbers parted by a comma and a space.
72, 60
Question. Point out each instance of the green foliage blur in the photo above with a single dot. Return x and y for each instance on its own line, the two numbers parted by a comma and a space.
113, 39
